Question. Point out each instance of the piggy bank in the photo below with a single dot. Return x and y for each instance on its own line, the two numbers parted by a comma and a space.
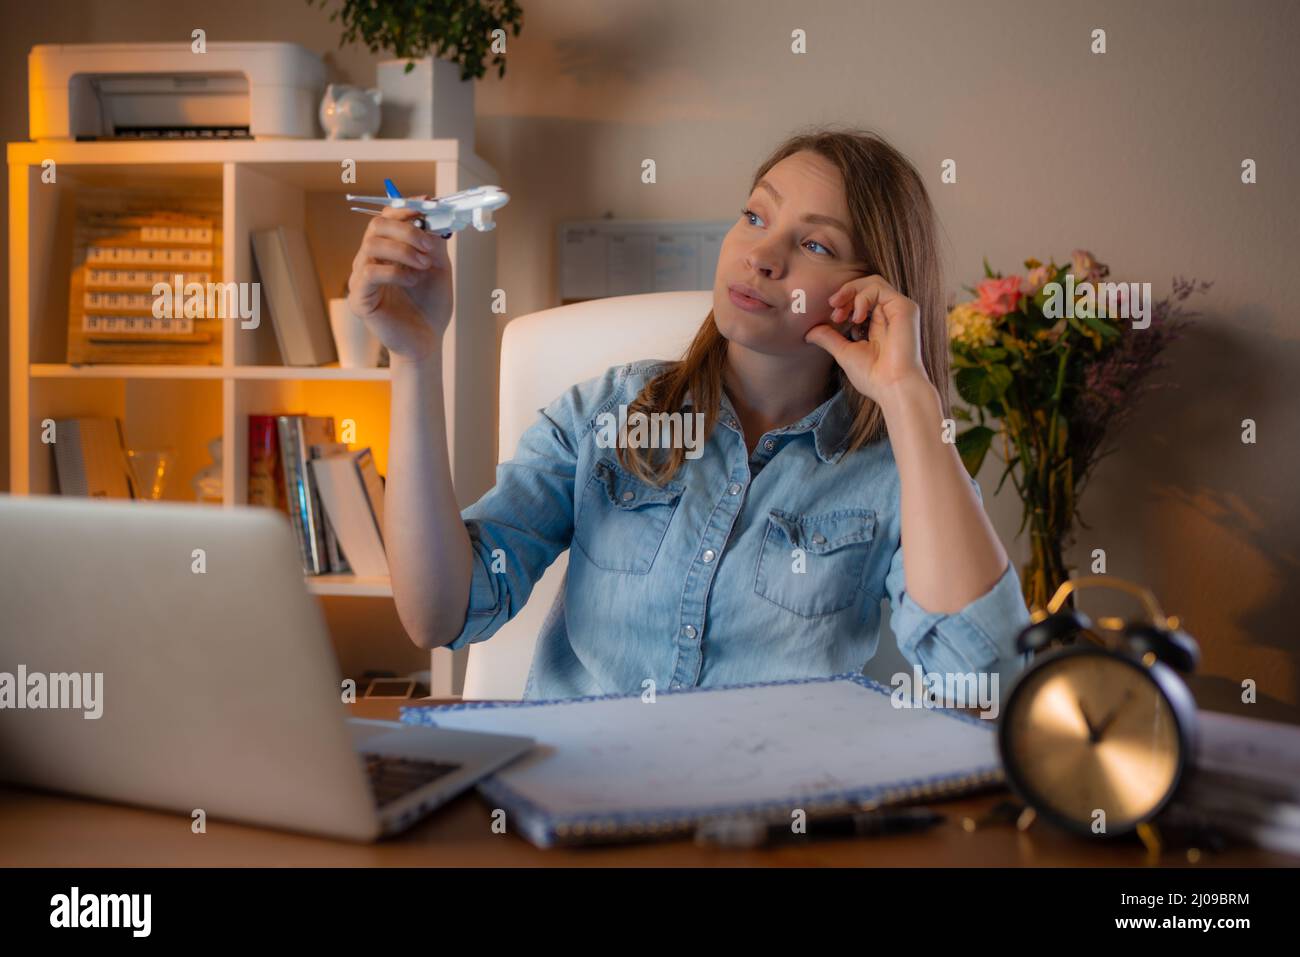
349, 112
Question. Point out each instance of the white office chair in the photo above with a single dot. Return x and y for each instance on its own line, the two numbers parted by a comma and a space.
542, 354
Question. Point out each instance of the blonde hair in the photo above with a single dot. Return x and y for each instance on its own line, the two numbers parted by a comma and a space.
894, 233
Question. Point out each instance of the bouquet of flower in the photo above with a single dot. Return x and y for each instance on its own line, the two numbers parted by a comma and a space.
1053, 360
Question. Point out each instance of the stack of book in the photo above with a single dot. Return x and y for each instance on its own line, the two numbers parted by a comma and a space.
1246, 782
334, 496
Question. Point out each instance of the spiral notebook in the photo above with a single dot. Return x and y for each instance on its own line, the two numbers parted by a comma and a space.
613, 768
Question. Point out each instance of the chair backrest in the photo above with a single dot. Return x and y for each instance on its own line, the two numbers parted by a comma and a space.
542, 354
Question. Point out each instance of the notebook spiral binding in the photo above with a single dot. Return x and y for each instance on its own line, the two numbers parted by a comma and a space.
601, 831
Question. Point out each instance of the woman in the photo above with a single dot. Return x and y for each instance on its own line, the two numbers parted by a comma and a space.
827, 479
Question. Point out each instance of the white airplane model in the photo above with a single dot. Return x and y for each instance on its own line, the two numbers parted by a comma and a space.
444, 214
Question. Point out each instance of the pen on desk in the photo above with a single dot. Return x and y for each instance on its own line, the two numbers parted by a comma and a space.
755, 832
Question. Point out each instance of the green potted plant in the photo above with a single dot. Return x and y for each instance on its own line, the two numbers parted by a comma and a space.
438, 48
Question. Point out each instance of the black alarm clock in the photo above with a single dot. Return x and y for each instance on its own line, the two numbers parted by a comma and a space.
1097, 734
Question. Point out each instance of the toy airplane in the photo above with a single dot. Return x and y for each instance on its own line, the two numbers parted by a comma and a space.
445, 214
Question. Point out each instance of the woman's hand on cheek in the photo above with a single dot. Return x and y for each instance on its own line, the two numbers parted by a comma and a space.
890, 354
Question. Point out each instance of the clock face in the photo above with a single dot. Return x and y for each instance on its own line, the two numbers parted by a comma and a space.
1089, 732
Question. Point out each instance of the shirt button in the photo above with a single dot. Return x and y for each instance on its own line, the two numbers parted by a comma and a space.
628, 496
769, 445
677, 684
689, 631
734, 489
819, 538
708, 555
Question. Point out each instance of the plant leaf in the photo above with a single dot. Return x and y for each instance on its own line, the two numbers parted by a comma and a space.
1104, 328
1005, 473
973, 385
973, 445
1000, 378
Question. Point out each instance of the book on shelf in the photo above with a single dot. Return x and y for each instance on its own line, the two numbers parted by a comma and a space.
352, 493
90, 458
288, 281
297, 433
335, 559
265, 470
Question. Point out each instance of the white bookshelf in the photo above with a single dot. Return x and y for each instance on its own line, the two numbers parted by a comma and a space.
260, 184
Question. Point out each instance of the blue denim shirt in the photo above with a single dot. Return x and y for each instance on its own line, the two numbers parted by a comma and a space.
699, 583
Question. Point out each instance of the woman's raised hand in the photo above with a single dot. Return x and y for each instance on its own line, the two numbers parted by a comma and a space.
401, 284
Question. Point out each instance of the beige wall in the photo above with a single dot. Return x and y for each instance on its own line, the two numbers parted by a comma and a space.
1134, 154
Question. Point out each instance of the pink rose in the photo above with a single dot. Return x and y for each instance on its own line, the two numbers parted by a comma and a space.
997, 297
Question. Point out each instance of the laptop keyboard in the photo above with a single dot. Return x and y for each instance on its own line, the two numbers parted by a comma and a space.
391, 778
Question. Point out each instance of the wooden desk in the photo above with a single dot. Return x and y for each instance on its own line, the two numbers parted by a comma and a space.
44, 830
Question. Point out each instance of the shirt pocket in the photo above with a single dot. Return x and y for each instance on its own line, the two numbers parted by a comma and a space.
828, 576
621, 520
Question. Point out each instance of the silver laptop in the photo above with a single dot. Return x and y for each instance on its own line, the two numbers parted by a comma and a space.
170, 656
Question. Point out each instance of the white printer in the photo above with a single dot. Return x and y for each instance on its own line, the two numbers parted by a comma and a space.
87, 91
